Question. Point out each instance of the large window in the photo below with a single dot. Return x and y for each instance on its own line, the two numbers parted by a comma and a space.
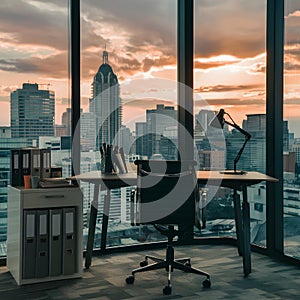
128, 96
291, 137
34, 89
229, 73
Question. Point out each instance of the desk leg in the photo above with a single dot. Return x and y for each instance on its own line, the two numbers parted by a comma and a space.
92, 227
105, 220
246, 234
238, 220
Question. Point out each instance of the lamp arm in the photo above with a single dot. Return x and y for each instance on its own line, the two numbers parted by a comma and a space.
237, 158
236, 126
247, 138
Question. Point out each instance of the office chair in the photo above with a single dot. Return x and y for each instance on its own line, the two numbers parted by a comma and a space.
166, 194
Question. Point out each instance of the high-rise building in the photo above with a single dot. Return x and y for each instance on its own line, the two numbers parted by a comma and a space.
88, 131
66, 120
6, 144
158, 120
255, 122
106, 102
286, 137
32, 112
141, 141
5, 132
202, 121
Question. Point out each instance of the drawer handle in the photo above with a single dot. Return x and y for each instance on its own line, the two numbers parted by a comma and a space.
54, 196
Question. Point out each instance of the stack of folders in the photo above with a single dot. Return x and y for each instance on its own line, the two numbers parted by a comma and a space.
112, 159
29, 161
49, 246
54, 182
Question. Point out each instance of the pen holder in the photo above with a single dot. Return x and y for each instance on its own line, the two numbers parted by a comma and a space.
106, 165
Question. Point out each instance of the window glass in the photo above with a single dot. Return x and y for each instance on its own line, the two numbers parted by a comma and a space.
128, 97
34, 90
229, 74
291, 133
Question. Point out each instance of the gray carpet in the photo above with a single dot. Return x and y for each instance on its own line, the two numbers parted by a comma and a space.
106, 279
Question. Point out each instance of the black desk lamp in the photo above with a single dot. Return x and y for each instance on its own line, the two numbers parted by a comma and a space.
218, 122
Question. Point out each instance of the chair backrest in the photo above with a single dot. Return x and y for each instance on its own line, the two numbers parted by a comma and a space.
166, 192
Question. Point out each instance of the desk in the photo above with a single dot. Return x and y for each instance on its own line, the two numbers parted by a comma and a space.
235, 182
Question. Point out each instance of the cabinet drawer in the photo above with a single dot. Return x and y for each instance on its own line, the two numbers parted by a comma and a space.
51, 197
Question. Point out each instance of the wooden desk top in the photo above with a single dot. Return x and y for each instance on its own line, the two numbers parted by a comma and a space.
204, 177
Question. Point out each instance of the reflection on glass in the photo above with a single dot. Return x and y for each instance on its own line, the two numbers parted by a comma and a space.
291, 137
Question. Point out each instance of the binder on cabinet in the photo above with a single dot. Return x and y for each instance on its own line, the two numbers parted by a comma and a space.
69, 241
25, 163
45, 163
15, 162
42, 249
29, 244
35, 158
55, 243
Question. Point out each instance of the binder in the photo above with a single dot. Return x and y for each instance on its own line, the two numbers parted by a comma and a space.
55, 243
29, 244
25, 163
42, 249
69, 241
35, 158
15, 162
45, 163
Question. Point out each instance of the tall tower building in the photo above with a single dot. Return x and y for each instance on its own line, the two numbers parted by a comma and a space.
161, 121
106, 103
32, 112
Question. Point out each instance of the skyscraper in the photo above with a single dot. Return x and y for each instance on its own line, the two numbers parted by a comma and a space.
32, 112
158, 121
106, 103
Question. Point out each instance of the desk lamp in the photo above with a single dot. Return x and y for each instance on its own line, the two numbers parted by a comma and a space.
218, 122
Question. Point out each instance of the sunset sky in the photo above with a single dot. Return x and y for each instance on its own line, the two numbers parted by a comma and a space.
140, 36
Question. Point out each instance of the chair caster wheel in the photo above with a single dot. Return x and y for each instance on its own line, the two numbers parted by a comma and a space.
206, 283
167, 290
188, 264
130, 279
144, 263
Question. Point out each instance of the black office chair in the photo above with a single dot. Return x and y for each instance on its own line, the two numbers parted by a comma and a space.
166, 194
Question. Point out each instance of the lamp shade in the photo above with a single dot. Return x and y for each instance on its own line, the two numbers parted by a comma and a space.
218, 120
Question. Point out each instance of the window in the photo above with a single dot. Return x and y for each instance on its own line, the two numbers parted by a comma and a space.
291, 133
258, 207
128, 95
229, 73
34, 82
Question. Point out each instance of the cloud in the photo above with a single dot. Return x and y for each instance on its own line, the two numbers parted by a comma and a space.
5, 91
233, 27
258, 68
54, 66
28, 24
230, 102
4, 99
226, 88
162, 61
211, 64
147, 103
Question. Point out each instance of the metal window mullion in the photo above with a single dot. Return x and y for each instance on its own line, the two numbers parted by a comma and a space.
274, 134
75, 82
185, 78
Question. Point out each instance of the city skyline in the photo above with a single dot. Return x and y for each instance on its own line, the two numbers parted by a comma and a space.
229, 66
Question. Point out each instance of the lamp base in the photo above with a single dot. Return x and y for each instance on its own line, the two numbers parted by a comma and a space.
232, 172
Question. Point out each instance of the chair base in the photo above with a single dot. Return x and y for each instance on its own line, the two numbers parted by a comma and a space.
183, 264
